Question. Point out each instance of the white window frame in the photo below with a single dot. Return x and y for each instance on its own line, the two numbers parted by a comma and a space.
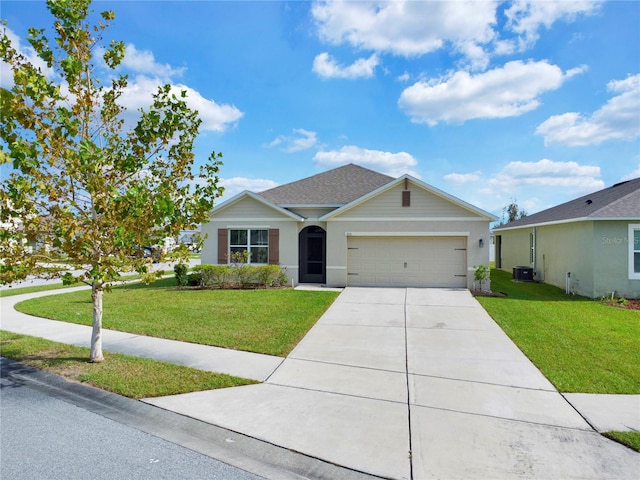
633, 249
248, 245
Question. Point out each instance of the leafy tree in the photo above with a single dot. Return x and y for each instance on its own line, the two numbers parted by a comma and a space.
513, 212
84, 182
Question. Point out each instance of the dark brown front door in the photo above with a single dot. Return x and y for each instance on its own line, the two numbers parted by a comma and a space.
312, 255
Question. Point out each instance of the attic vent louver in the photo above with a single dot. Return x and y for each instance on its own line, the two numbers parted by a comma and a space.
406, 198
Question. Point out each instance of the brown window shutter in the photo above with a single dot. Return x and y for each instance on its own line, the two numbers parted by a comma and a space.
223, 246
274, 246
406, 198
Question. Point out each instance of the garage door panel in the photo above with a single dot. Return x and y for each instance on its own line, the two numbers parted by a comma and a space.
407, 261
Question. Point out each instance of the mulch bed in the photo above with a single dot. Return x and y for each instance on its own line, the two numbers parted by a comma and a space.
629, 304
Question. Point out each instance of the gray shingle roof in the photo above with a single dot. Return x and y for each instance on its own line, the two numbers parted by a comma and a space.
334, 187
621, 200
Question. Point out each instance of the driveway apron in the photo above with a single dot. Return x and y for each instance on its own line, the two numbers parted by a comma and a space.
414, 384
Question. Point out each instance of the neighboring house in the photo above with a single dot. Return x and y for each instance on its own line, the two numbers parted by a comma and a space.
589, 246
353, 226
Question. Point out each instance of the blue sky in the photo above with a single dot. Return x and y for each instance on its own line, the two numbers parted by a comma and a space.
488, 101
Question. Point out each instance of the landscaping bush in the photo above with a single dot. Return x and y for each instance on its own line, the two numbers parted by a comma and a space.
181, 274
238, 276
213, 275
245, 275
271, 276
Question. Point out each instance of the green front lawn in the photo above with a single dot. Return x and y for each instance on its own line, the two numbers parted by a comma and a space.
262, 321
581, 345
128, 376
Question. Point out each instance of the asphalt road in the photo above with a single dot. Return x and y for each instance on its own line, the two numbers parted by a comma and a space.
44, 437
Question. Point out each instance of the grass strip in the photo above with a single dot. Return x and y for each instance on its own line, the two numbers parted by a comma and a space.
35, 288
122, 374
581, 345
630, 439
263, 321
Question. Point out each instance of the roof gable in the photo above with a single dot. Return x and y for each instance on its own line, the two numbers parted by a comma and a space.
448, 205
238, 203
621, 200
335, 187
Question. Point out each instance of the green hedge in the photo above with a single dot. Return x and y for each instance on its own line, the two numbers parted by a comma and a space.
242, 276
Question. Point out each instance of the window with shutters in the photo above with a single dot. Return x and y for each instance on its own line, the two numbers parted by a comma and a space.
253, 241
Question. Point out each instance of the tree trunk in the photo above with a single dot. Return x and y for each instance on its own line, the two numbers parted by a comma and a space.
96, 334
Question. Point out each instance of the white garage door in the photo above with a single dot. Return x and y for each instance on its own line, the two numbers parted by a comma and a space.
407, 261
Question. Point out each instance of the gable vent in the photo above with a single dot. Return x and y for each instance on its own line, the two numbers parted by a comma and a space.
406, 198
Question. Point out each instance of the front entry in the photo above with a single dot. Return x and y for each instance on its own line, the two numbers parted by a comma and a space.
312, 255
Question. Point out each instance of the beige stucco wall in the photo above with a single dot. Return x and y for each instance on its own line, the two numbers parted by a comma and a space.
514, 249
428, 215
337, 234
611, 260
424, 204
249, 213
595, 253
566, 248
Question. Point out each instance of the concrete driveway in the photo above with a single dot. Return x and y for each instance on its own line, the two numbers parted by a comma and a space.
415, 384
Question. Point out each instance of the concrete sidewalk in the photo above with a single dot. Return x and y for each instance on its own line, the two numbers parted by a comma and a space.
254, 366
398, 383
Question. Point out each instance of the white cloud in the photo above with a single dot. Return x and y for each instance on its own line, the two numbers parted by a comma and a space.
138, 94
326, 66
547, 173
503, 92
235, 185
462, 178
617, 119
215, 117
300, 139
406, 28
526, 17
143, 61
6, 73
393, 164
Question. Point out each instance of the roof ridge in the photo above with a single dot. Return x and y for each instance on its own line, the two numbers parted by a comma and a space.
337, 186
609, 202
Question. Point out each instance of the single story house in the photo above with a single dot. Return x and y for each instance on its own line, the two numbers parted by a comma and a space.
357, 227
589, 246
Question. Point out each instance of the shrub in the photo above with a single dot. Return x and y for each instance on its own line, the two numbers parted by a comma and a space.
481, 274
181, 274
245, 274
195, 280
213, 275
269, 275
240, 275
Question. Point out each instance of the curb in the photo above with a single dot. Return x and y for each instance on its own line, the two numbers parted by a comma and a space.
241, 451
